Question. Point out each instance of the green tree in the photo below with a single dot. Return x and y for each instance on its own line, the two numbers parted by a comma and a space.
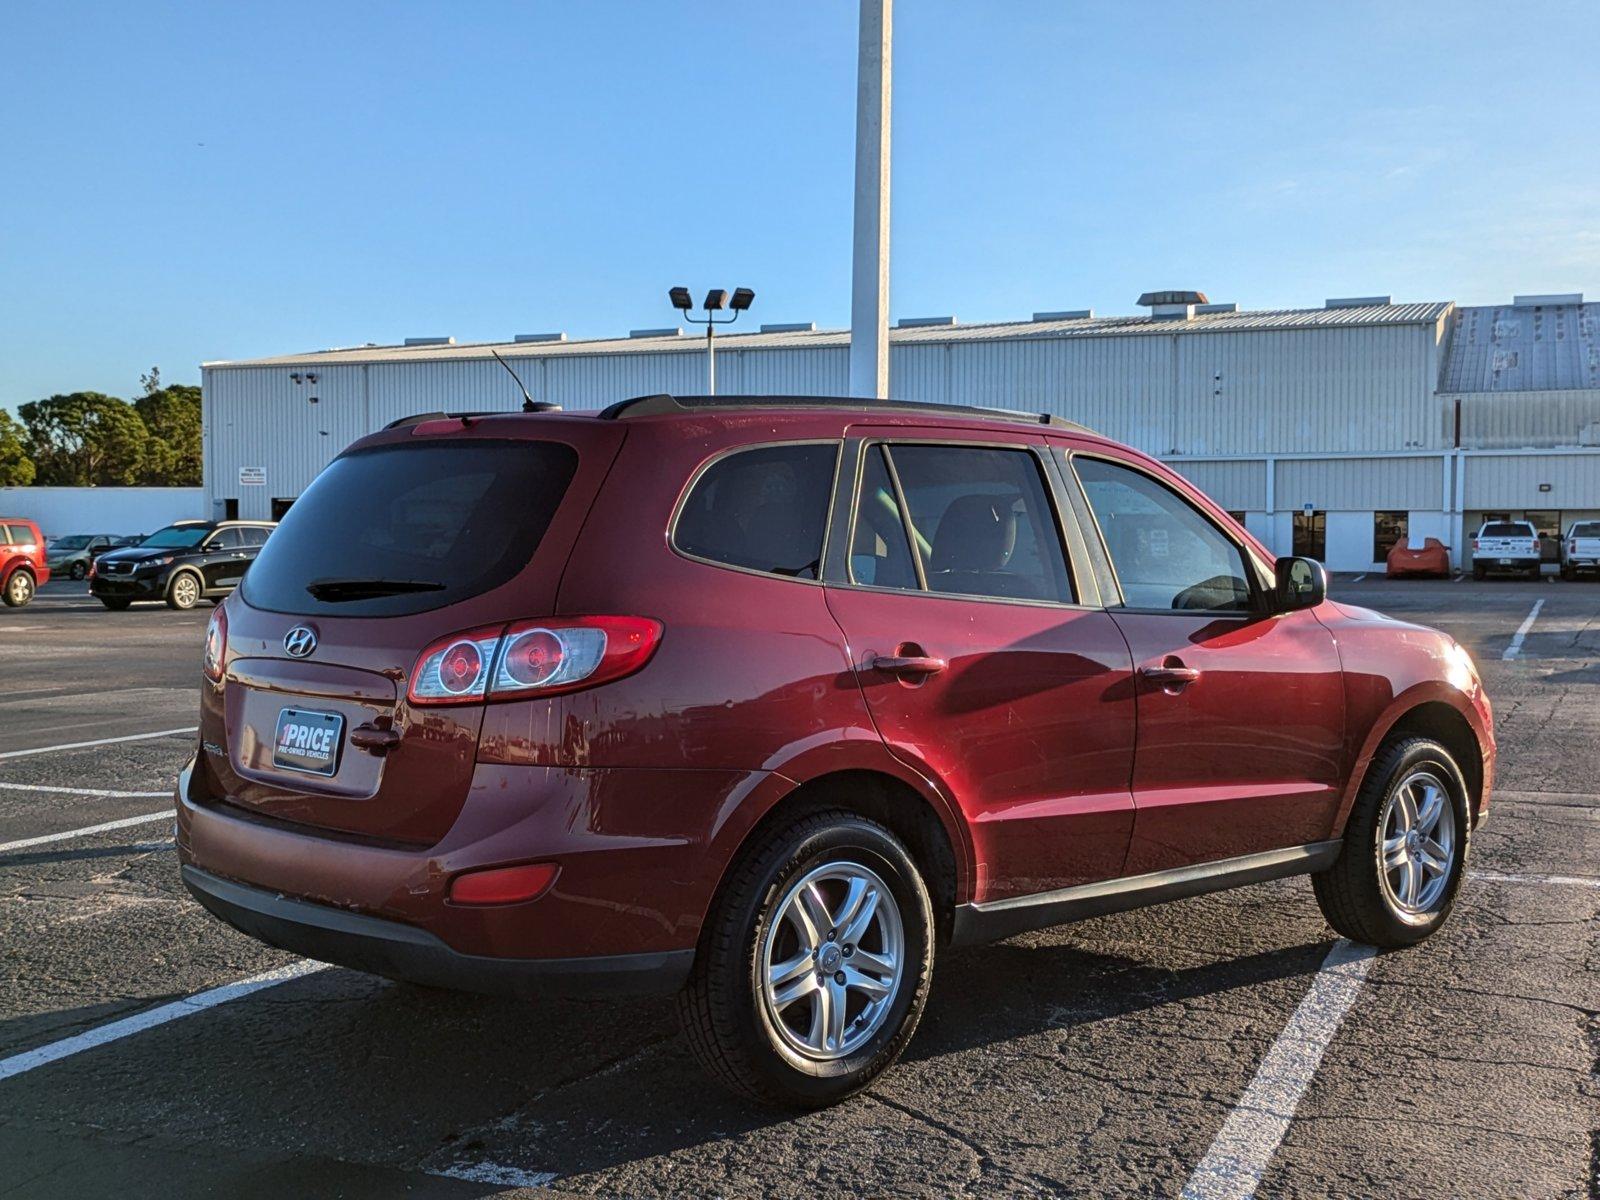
85, 438
171, 416
16, 468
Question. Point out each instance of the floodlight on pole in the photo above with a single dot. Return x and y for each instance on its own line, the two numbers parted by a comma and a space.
717, 300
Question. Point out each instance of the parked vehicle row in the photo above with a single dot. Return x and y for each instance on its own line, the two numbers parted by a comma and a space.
766, 701
71, 555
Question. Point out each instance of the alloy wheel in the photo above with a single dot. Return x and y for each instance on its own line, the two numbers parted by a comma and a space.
20, 588
185, 591
1418, 831
833, 959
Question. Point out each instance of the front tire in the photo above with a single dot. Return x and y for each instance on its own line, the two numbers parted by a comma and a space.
814, 965
18, 590
1405, 848
115, 605
184, 591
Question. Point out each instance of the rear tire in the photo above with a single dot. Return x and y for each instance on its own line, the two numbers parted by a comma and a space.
1479, 572
115, 605
1363, 895
18, 590
1535, 572
765, 1040
183, 592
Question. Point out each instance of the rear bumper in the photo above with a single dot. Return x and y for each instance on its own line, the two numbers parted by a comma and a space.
1507, 562
400, 951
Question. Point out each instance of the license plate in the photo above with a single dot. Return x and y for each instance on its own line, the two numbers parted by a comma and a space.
1505, 562
308, 741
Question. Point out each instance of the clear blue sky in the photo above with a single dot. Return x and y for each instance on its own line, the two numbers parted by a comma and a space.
186, 182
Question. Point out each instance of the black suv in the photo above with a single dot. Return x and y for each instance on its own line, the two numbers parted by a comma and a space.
180, 564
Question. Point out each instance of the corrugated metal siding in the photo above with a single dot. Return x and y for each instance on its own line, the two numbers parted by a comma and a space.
1512, 480
1360, 483
1238, 486
1535, 420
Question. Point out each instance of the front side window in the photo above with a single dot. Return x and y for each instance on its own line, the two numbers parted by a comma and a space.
978, 521
1165, 553
763, 509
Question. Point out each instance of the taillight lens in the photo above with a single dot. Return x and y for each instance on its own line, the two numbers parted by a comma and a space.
216, 644
94, 567
529, 658
1474, 543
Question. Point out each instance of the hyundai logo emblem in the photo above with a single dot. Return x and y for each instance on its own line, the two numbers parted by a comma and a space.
300, 641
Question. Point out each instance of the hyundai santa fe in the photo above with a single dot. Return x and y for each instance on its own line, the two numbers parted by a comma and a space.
767, 701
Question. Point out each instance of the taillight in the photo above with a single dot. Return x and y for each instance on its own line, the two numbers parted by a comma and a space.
1474, 543
94, 567
1534, 545
529, 658
216, 644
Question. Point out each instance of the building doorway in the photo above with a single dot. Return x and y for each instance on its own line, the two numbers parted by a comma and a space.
1311, 534
280, 506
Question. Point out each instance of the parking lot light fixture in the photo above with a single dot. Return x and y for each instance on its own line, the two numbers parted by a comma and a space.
717, 300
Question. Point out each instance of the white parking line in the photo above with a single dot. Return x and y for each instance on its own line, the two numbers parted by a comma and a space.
132, 737
1558, 880
1515, 648
128, 1026
500, 1176
1238, 1158
66, 791
1359, 578
45, 839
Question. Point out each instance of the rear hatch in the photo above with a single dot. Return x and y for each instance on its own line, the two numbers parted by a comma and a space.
406, 539
1506, 539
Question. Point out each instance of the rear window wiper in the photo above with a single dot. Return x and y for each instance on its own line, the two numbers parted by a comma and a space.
335, 590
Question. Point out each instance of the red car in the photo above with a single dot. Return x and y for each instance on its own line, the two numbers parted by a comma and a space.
766, 701
22, 564
1430, 560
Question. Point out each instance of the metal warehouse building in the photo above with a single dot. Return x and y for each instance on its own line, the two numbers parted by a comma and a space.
1331, 430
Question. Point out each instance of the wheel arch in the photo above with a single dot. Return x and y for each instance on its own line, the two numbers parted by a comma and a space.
1436, 712
885, 798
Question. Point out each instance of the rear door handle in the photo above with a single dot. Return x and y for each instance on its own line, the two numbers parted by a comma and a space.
1170, 678
915, 664
378, 741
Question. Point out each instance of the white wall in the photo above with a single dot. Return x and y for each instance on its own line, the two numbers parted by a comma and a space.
1348, 542
119, 510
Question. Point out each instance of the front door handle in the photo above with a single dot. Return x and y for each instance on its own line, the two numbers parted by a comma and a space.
911, 664
1170, 677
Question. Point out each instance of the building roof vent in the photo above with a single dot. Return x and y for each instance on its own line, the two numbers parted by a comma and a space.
430, 341
791, 327
540, 337
920, 322
1206, 309
669, 331
1172, 305
1357, 301
1066, 314
1551, 298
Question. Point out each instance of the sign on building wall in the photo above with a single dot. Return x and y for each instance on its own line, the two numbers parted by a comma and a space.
252, 477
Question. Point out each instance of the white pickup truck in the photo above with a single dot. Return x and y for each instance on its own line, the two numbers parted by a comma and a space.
1511, 546
1580, 549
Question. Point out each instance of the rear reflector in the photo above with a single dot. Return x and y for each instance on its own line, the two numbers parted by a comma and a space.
503, 885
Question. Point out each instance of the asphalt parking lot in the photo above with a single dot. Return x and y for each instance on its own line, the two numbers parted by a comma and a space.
1147, 1053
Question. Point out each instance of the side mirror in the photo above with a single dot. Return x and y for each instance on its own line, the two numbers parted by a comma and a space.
1300, 583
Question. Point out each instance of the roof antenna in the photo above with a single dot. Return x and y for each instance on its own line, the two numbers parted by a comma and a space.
529, 404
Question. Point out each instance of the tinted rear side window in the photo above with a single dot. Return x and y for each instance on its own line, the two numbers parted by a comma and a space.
407, 528
764, 509
21, 535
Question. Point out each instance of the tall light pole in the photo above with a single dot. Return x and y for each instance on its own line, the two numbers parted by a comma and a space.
869, 275
717, 299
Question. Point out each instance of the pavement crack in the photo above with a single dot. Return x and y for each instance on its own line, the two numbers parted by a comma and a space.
985, 1162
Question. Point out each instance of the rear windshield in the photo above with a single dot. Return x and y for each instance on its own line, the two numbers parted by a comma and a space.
406, 528
1507, 529
1586, 529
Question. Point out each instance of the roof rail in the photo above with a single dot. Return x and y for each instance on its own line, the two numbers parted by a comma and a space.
419, 418
661, 403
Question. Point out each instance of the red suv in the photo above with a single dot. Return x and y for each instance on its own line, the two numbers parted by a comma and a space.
22, 562
765, 700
